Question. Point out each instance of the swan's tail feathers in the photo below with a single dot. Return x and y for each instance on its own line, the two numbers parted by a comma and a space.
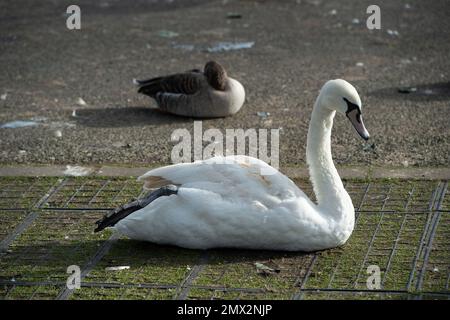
114, 216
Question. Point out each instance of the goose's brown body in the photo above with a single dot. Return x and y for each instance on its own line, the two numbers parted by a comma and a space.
196, 94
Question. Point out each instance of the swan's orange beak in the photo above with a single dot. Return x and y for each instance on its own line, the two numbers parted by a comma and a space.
356, 119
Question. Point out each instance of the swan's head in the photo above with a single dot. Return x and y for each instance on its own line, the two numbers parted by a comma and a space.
341, 96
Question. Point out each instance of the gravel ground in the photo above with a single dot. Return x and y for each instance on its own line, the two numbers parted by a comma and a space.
298, 45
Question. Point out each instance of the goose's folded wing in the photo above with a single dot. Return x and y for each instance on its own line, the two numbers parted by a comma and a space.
176, 103
182, 83
194, 70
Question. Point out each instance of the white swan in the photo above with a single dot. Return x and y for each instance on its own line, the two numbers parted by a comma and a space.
233, 205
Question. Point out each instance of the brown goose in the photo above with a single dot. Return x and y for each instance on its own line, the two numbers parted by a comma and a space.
206, 94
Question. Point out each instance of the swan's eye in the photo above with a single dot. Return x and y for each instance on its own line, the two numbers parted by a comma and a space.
351, 106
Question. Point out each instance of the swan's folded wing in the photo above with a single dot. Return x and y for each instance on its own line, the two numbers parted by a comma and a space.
221, 174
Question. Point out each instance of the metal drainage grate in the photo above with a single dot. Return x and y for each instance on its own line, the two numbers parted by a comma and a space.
24, 192
89, 194
401, 226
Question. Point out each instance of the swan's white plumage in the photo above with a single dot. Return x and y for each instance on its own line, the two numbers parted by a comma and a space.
229, 205
227, 202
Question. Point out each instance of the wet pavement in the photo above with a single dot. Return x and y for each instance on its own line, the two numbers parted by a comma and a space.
292, 48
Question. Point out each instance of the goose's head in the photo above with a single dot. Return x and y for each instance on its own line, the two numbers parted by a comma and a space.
216, 75
341, 96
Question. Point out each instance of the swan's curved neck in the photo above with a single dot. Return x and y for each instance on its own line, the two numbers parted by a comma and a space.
330, 193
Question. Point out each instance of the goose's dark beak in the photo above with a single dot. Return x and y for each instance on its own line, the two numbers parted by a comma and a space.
356, 119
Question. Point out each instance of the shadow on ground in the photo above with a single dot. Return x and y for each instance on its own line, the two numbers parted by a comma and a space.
422, 92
